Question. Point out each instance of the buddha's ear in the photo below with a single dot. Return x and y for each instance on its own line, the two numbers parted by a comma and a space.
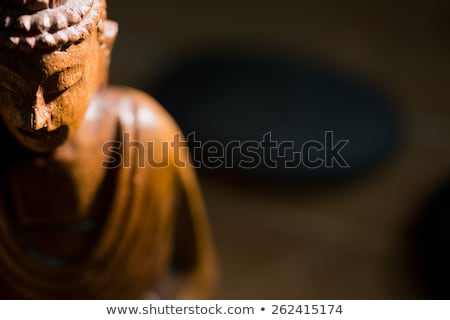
111, 28
108, 37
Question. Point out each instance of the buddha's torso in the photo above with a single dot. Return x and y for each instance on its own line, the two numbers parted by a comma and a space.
71, 228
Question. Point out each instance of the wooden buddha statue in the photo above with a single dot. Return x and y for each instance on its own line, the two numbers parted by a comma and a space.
81, 215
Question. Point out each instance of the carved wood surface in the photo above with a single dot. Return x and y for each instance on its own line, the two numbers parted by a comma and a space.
72, 227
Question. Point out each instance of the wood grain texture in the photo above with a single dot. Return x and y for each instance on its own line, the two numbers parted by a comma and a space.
74, 225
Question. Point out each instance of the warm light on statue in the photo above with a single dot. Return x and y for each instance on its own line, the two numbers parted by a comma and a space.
70, 228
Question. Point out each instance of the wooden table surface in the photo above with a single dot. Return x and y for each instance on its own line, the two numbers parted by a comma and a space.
344, 241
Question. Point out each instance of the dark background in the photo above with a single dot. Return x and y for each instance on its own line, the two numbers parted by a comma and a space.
351, 239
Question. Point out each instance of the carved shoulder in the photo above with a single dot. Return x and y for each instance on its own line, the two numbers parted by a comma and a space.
192, 272
143, 125
135, 107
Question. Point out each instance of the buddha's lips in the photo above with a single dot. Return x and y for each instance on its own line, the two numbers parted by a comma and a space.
43, 134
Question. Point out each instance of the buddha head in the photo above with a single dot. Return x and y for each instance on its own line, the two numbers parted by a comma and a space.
54, 57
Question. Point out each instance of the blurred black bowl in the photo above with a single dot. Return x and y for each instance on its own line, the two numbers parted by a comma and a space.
235, 96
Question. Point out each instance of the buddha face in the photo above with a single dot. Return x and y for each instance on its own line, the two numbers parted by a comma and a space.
44, 96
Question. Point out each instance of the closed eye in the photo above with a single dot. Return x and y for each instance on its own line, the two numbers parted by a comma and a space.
61, 81
12, 82
7, 88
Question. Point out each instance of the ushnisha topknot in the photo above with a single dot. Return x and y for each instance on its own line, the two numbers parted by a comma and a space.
48, 24
34, 5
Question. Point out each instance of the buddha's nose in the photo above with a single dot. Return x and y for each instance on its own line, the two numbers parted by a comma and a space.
40, 117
